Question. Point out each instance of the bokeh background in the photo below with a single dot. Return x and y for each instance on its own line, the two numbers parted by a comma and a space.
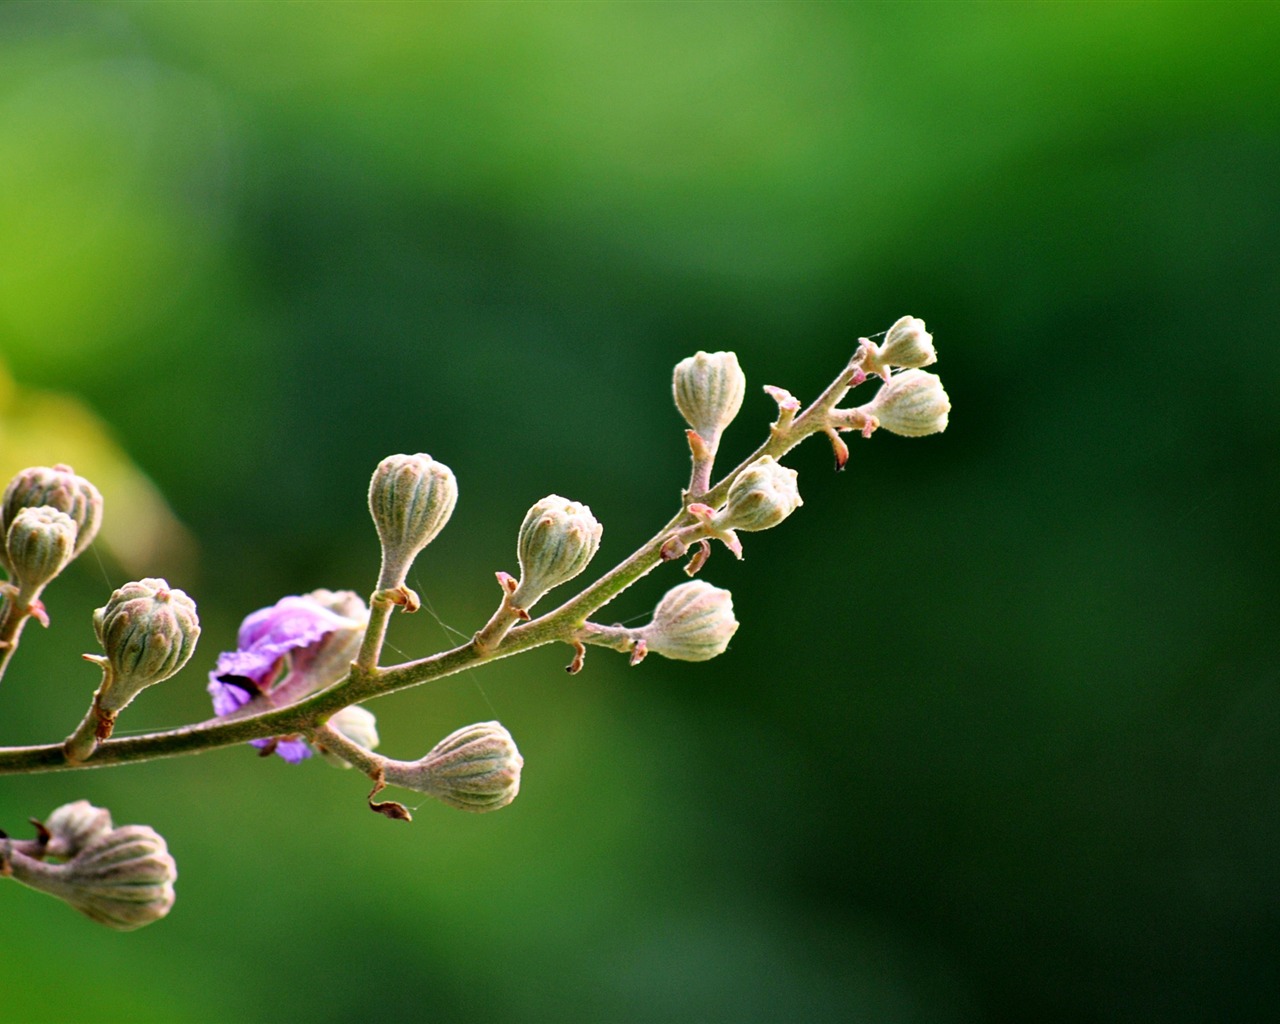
999, 738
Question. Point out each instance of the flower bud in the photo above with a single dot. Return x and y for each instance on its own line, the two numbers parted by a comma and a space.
123, 878
40, 544
907, 344
57, 487
148, 632
912, 404
693, 622
476, 768
762, 496
359, 726
74, 826
708, 391
557, 539
411, 497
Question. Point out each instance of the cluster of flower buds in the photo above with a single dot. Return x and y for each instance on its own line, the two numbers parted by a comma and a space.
476, 768
411, 498
48, 516
118, 876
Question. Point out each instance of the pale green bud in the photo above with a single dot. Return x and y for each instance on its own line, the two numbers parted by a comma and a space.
693, 622
476, 768
60, 488
907, 344
762, 496
148, 631
122, 878
708, 389
359, 726
73, 826
557, 539
912, 404
40, 544
411, 498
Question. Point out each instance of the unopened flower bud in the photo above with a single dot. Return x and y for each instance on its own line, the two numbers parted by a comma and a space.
40, 544
74, 826
60, 488
123, 878
762, 496
359, 726
907, 344
557, 539
411, 498
476, 768
708, 390
693, 622
912, 404
148, 631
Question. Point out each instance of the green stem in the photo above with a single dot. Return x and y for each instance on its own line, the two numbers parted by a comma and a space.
366, 681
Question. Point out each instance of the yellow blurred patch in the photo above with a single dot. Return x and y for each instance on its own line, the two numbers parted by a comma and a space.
139, 530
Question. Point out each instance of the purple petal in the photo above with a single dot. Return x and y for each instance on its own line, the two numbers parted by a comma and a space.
227, 697
254, 665
290, 623
293, 751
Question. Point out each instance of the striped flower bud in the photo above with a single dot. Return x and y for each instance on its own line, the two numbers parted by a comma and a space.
60, 488
912, 404
762, 496
557, 539
476, 768
40, 544
693, 622
411, 498
122, 878
908, 344
708, 389
148, 631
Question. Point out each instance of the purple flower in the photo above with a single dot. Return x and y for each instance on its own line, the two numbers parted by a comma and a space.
284, 653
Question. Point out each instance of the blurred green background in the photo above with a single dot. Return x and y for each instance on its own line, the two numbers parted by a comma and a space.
999, 738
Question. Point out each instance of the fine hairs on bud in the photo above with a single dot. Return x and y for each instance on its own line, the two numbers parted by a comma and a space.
59, 488
477, 768
148, 631
906, 345
912, 404
411, 498
557, 540
40, 544
693, 622
709, 388
122, 877
764, 494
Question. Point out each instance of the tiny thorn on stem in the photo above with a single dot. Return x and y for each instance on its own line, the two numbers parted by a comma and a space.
38, 613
